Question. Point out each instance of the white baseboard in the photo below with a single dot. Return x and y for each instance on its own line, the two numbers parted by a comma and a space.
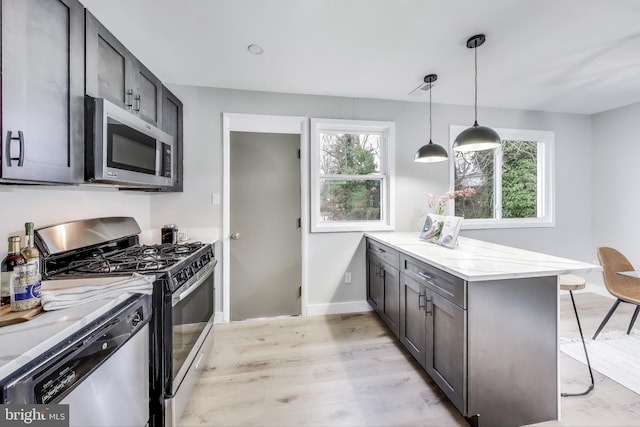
219, 317
322, 309
338, 308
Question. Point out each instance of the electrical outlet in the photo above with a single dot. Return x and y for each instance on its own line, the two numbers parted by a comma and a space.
347, 277
215, 198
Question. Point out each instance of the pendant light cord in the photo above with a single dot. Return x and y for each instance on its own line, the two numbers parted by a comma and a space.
475, 101
430, 124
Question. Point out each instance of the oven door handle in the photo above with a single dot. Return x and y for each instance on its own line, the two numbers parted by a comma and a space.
190, 288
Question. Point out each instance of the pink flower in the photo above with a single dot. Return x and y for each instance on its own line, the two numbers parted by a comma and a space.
442, 200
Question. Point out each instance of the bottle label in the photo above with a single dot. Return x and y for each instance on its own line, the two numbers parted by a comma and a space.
22, 293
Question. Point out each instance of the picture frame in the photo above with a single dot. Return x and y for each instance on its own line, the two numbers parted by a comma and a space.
449, 234
432, 227
441, 229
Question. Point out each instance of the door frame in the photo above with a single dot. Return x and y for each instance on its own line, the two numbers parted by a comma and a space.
235, 122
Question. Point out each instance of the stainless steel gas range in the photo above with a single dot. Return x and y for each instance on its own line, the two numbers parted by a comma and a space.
183, 303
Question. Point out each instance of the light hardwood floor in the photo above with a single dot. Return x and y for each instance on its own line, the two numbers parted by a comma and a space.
349, 370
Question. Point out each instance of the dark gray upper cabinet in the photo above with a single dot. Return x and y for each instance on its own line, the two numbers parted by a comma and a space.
42, 91
172, 124
115, 74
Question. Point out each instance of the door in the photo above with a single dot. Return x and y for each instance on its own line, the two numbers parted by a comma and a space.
265, 253
375, 294
445, 347
42, 90
413, 328
391, 305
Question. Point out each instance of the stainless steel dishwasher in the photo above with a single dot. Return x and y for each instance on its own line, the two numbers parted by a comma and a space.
101, 372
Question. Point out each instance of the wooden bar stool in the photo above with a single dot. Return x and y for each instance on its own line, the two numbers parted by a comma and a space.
572, 282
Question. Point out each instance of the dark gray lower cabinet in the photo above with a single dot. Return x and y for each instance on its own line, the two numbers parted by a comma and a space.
490, 346
413, 325
446, 352
42, 135
383, 284
431, 326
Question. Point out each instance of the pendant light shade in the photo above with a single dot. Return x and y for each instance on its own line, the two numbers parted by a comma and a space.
476, 137
430, 153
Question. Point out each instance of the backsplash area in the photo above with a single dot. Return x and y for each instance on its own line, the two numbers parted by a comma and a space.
47, 205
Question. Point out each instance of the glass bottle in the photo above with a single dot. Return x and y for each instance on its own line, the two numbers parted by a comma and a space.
30, 253
13, 258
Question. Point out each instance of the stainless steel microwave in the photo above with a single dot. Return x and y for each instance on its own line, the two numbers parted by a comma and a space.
123, 150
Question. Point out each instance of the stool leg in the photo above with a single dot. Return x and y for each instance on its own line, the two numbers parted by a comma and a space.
575, 310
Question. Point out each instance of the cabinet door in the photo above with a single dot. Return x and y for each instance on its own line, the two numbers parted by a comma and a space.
147, 93
108, 65
42, 90
172, 124
446, 347
375, 290
412, 317
391, 298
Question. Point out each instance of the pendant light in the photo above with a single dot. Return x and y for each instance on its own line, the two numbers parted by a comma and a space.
476, 138
430, 153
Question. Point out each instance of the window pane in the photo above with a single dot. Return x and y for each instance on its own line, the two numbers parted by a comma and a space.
475, 169
350, 200
519, 179
349, 153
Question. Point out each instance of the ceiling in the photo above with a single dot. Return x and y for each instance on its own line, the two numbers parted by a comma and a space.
574, 56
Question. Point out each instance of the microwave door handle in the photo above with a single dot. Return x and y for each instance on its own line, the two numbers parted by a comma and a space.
206, 271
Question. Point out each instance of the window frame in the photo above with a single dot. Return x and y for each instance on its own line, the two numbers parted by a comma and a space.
386, 175
546, 181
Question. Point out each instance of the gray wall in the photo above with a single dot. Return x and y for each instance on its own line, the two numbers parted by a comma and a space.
331, 254
615, 202
47, 205
598, 178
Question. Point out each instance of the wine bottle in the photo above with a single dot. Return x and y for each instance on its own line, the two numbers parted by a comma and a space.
13, 258
30, 253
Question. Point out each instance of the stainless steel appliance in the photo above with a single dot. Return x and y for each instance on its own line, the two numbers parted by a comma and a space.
109, 355
122, 149
183, 296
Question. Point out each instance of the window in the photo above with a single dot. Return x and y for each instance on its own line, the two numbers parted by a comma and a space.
513, 184
352, 175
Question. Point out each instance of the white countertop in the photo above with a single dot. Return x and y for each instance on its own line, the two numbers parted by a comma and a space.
23, 342
476, 260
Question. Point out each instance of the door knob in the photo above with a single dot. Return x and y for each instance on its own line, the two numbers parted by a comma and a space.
235, 236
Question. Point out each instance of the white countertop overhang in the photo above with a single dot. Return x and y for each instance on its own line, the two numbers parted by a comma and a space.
476, 260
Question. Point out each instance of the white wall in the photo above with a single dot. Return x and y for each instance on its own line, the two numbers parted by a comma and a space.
48, 205
331, 254
615, 201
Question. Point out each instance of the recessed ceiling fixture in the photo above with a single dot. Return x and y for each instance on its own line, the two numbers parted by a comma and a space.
430, 153
476, 138
255, 49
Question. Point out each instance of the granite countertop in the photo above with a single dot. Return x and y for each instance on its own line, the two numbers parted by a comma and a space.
476, 260
23, 342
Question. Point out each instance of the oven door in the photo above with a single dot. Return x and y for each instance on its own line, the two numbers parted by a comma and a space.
192, 312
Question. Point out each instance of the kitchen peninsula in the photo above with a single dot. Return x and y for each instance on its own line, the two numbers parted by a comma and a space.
481, 319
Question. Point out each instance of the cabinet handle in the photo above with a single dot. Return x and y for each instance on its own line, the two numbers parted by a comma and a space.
424, 275
137, 103
429, 312
420, 296
19, 138
129, 101
382, 250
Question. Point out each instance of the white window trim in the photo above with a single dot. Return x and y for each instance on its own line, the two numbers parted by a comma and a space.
387, 165
546, 172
